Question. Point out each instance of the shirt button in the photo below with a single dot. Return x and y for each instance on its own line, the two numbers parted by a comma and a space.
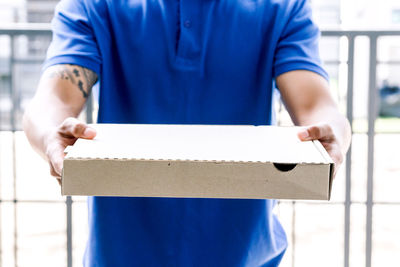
187, 24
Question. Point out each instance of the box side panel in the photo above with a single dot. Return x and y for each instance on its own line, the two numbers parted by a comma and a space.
138, 178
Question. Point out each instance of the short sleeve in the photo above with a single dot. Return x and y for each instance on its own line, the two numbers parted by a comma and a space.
73, 37
298, 45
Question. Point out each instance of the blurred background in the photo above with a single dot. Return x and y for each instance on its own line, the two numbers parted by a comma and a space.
360, 226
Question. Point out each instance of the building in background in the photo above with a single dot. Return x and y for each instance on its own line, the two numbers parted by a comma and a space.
29, 52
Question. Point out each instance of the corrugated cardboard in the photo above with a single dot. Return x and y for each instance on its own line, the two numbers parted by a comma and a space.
197, 161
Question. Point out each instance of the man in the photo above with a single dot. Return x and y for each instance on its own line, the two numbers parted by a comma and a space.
182, 62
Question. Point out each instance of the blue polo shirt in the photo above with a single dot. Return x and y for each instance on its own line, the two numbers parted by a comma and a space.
185, 62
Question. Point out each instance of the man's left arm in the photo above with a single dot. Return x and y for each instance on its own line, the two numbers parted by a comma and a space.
307, 98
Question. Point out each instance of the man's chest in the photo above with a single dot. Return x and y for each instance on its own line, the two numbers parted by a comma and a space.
218, 34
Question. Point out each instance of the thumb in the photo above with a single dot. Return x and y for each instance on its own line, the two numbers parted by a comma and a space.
303, 134
89, 133
315, 132
75, 128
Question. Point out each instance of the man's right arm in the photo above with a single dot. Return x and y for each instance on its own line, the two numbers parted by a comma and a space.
50, 120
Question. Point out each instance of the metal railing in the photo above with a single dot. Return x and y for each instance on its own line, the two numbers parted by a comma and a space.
14, 30
373, 36
373, 96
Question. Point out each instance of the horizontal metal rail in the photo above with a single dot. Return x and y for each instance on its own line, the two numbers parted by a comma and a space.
45, 28
356, 33
25, 28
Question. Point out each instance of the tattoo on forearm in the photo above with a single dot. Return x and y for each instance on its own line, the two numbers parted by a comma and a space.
80, 85
81, 77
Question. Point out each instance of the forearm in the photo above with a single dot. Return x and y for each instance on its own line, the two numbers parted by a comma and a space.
308, 100
61, 93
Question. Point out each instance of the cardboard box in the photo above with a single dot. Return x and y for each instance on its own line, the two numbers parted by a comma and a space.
197, 161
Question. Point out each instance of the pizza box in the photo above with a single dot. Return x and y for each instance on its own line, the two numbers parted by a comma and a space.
197, 161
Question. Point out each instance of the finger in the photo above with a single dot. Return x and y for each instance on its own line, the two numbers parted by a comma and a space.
56, 155
337, 157
58, 165
336, 166
335, 154
315, 132
52, 171
55, 174
72, 127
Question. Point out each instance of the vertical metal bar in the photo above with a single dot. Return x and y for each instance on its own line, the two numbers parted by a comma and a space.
14, 169
69, 231
13, 95
349, 113
372, 114
293, 233
12, 92
89, 109
1, 237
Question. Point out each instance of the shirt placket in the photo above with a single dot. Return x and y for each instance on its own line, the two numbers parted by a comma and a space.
188, 52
